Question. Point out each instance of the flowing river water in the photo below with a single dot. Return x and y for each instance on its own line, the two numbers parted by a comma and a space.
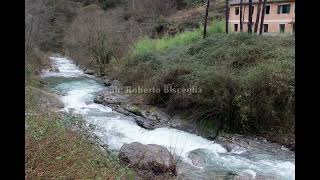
77, 91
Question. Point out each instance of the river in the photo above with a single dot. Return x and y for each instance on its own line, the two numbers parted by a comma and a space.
77, 91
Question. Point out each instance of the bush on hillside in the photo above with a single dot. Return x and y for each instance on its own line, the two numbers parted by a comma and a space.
93, 32
106, 4
247, 81
190, 3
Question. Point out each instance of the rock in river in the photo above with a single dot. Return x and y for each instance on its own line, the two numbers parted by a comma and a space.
107, 82
152, 158
89, 71
54, 69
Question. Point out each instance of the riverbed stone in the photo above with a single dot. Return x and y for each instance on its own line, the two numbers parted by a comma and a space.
152, 158
107, 82
109, 96
146, 116
54, 69
89, 71
198, 158
116, 83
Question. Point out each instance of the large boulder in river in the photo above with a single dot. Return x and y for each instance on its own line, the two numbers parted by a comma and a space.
107, 82
148, 158
110, 96
146, 116
89, 71
54, 69
198, 157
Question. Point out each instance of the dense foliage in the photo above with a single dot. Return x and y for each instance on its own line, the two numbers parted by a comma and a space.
247, 81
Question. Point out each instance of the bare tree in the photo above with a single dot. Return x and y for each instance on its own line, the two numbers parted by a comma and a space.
205, 20
37, 31
241, 20
29, 28
100, 51
262, 16
256, 25
250, 17
227, 16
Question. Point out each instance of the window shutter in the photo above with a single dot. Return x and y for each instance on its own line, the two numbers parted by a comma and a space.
279, 9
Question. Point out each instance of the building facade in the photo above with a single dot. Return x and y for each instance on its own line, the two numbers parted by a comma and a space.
279, 17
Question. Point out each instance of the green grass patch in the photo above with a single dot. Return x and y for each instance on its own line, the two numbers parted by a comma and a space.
147, 45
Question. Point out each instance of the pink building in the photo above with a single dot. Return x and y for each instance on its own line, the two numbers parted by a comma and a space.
279, 17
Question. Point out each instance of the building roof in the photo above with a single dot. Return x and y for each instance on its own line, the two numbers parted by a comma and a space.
236, 2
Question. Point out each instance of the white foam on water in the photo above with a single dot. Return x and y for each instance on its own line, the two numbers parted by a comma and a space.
126, 131
65, 66
284, 170
116, 130
238, 150
250, 172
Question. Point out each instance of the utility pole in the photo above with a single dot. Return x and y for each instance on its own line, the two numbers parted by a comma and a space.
250, 17
205, 20
241, 22
227, 16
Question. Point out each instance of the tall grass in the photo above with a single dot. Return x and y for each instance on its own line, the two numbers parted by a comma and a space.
146, 45
217, 27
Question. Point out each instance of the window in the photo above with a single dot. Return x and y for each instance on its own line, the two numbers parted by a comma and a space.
284, 9
237, 10
282, 28
235, 27
268, 9
265, 28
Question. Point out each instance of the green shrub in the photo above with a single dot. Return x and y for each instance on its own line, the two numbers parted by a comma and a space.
106, 4
217, 27
146, 45
247, 81
191, 3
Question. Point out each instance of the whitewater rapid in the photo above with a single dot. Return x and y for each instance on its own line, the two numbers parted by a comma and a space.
77, 91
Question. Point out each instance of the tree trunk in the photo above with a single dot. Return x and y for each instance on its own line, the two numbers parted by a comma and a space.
250, 17
241, 20
256, 25
227, 16
262, 16
205, 20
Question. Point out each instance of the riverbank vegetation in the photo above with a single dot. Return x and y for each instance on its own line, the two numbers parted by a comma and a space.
57, 146
247, 81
